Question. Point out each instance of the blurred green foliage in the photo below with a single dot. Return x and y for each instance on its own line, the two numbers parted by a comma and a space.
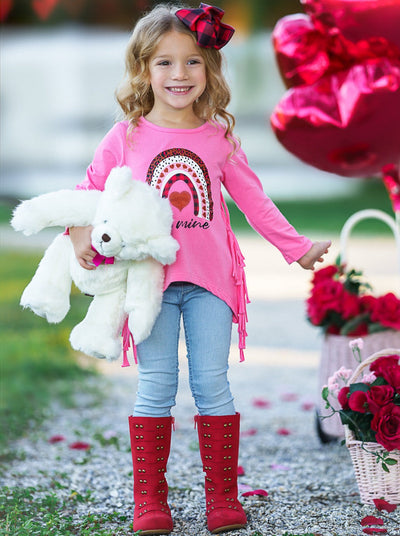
328, 215
36, 360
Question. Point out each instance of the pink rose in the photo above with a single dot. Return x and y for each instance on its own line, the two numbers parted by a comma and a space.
386, 424
358, 401
378, 396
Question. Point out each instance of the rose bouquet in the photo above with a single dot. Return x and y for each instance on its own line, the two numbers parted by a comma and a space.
370, 408
342, 304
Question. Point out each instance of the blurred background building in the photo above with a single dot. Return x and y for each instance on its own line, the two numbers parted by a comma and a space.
61, 61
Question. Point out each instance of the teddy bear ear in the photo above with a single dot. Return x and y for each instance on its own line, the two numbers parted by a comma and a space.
119, 181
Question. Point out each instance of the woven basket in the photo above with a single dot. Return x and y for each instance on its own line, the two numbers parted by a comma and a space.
373, 482
335, 351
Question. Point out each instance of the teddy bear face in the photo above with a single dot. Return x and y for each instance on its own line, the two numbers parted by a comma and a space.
129, 223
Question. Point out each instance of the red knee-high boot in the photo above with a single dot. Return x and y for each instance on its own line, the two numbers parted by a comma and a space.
150, 444
219, 450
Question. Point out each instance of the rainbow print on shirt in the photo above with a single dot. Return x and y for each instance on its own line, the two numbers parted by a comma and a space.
174, 166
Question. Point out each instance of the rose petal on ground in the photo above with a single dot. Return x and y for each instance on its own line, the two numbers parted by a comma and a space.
371, 520
249, 432
244, 487
79, 445
261, 403
373, 530
279, 467
260, 492
381, 504
307, 405
283, 431
240, 470
289, 397
56, 438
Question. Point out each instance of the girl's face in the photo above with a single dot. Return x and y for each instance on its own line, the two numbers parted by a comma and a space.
177, 74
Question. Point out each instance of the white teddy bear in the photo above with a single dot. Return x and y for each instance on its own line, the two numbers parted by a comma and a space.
131, 226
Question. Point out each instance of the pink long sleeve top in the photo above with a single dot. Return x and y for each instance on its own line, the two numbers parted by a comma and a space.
189, 166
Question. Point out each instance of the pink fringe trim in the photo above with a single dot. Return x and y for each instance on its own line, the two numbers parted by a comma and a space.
239, 276
127, 338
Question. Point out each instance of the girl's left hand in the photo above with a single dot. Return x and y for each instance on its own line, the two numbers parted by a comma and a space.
314, 254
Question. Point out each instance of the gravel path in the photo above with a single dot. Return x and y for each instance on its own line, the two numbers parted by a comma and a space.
311, 487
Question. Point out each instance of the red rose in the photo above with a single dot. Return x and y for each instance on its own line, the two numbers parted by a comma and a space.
326, 296
358, 401
324, 273
386, 424
392, 376
378, 396
350, 305
360, 331
382, 363
386, 311
343, 398
367, 303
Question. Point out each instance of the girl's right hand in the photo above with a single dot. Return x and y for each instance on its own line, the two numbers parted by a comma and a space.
81, 241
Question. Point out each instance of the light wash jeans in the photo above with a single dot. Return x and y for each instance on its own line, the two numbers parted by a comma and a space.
207, 322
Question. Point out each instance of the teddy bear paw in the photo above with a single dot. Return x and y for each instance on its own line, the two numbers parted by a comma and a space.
95, 343
53, 306
140, 327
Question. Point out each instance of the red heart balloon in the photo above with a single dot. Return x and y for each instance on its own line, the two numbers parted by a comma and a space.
305, 54
345, 123
300, 50
358, 19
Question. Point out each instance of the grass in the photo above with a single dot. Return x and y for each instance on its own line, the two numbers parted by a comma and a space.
36, 362
328, 215
34, 512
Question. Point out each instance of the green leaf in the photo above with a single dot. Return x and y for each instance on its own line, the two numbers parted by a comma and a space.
358, 387
385, 468
390, 461
376, 328
379, 381
325, 393
352, 324
346, 418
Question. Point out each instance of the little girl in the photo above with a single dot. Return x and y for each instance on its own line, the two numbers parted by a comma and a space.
178, 137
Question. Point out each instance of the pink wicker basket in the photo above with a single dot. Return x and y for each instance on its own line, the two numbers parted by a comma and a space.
373, 482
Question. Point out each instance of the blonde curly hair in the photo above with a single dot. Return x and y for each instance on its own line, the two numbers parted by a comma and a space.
135, 95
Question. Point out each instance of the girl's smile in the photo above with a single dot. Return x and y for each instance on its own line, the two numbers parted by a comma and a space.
177, 77
180, 90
